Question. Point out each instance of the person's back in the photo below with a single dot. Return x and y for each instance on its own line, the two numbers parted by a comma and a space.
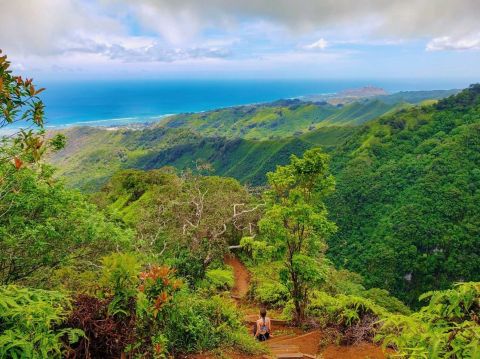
263, 326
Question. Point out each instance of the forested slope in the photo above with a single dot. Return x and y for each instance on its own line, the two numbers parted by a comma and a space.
285, 118
244, 142
406, 203
93, 154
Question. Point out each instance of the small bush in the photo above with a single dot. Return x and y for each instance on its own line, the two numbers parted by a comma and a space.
187, 266
272, 293
383, 298
107, 335
448, 327
221, 278
75, 279
119, 281
195, 324
31, 323
355, 318
349, 283
266, 287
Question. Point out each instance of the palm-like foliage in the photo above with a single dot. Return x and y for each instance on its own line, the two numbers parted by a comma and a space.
448, 327
30, 321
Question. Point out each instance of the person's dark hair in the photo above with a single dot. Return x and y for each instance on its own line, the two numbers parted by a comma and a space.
263, 312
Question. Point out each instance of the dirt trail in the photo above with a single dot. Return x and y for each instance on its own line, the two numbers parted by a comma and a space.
288, 342
242, 277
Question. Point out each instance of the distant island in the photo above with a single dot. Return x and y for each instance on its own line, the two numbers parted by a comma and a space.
347, 96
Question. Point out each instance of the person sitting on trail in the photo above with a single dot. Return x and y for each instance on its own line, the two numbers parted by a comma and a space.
263, 327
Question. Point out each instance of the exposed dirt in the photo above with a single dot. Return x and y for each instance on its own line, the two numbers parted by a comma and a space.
359, 351
286, 338
242, 276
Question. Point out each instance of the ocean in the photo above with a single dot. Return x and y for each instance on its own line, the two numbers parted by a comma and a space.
109, 103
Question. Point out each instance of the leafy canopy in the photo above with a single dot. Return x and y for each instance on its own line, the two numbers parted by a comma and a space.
296, 223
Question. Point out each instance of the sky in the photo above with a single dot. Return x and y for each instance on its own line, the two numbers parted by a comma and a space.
329, 39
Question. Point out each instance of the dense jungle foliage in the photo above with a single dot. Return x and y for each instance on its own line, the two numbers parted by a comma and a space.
406, 204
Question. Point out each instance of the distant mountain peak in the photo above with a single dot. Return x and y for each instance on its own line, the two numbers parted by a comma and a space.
365, 91
347, 96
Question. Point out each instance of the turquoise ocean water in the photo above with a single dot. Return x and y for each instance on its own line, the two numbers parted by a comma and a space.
108, 103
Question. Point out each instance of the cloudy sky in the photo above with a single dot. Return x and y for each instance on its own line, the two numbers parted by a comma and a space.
243, 38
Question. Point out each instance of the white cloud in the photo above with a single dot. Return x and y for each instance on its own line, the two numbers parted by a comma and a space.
77, 34
43, 27
400, 18
317, 45
457, 44
40, 26
56, 29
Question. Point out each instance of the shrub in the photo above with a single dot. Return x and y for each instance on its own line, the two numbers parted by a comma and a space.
75, 278
256, 250
448, 327
271, 293
266, 287
119, 280
355, 318
349, 283
383, 298
196, 324
105, 335
155, 303
108, 320
221, 278
342, 281
30, 323
187, 266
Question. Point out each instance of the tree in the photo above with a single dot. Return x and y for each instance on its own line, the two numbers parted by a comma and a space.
46, 226
20, 104
42, 225
296, 220
407, 198
190, 219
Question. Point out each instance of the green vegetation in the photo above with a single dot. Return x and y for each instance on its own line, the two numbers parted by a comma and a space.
295, 222
278, 119
189, 219
220, 278
45, 226
30, 322
137, 268
448, 327
355, 318
407, 198
92, 155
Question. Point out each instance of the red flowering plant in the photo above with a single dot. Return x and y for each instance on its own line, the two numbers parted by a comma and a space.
22, 132
158, 285
157, 289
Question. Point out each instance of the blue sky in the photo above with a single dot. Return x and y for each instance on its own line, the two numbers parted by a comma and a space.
371, 39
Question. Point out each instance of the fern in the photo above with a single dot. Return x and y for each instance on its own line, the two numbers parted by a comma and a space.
448, 327
30, 321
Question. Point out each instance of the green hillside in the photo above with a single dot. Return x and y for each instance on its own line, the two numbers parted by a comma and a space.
244, 142
94, 154
406, 204
279, 119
